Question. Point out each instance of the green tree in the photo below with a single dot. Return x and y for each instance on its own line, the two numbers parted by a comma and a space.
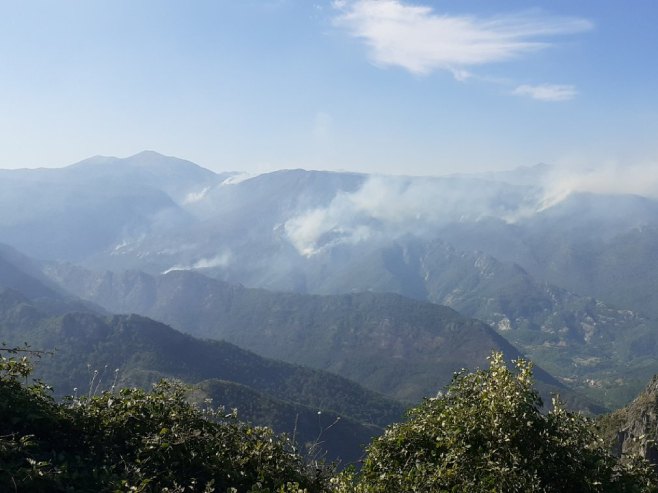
136, 441
487, 433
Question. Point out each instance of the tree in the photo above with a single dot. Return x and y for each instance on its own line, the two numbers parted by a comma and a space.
487, 433
136, 441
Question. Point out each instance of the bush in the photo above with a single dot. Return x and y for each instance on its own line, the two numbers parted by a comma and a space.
486, 433
136, 441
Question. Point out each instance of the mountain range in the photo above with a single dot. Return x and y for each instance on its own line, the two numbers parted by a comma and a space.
90, 353
565, 278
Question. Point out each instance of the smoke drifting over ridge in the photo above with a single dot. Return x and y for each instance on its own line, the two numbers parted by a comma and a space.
222, 259
387, 207
636, 179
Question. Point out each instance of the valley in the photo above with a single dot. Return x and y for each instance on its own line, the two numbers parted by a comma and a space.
339, 246
298, 268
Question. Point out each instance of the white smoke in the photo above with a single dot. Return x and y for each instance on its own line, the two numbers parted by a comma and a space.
237, 178
610, 178
388, 207
222, 259
192, 197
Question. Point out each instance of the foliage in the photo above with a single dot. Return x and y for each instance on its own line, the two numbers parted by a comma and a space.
136, 441
271, 393
487, 433
316, 331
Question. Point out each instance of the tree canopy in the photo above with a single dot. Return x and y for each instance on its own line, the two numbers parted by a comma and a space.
136, 441
487, 433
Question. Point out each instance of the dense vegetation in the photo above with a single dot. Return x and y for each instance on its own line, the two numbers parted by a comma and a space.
269, 393
571, 283
422, 343
485, 433
134, 440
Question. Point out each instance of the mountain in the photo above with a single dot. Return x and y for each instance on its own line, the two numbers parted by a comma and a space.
286, 230
404, 348
595, 347
24, 275
633, 429
597, 245
236, 226
329, 414
87, 348
531, 176
180, 179
598, 349
154, 213
272, 197
566, 274
96, 205
19, 272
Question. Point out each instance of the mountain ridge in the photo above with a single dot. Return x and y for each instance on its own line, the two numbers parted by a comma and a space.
85, 345
376, 339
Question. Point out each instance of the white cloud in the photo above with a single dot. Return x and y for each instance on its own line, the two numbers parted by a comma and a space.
421, 40
547, 92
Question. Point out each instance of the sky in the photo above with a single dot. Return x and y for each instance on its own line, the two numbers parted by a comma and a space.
422, 87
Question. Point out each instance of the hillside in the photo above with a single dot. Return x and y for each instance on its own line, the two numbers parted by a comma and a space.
598, 348
144, 351
566, 277
592, 244
404, 348
633, 429
96, 205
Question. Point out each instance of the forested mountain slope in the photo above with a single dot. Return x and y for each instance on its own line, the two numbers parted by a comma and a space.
91, 352
405, 348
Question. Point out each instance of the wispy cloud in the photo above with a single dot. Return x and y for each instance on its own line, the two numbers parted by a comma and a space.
421, 40
547, 92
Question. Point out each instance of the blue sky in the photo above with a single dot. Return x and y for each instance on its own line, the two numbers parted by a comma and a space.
391, 86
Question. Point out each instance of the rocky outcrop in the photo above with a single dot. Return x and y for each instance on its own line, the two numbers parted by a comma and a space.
633, 430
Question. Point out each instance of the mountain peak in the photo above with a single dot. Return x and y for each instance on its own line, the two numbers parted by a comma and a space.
148, 157
148, 153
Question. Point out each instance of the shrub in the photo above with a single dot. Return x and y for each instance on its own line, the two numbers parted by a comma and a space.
136, 440
487, 433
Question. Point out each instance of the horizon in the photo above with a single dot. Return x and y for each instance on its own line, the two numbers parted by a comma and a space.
556, 181
388, 87
257, 173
